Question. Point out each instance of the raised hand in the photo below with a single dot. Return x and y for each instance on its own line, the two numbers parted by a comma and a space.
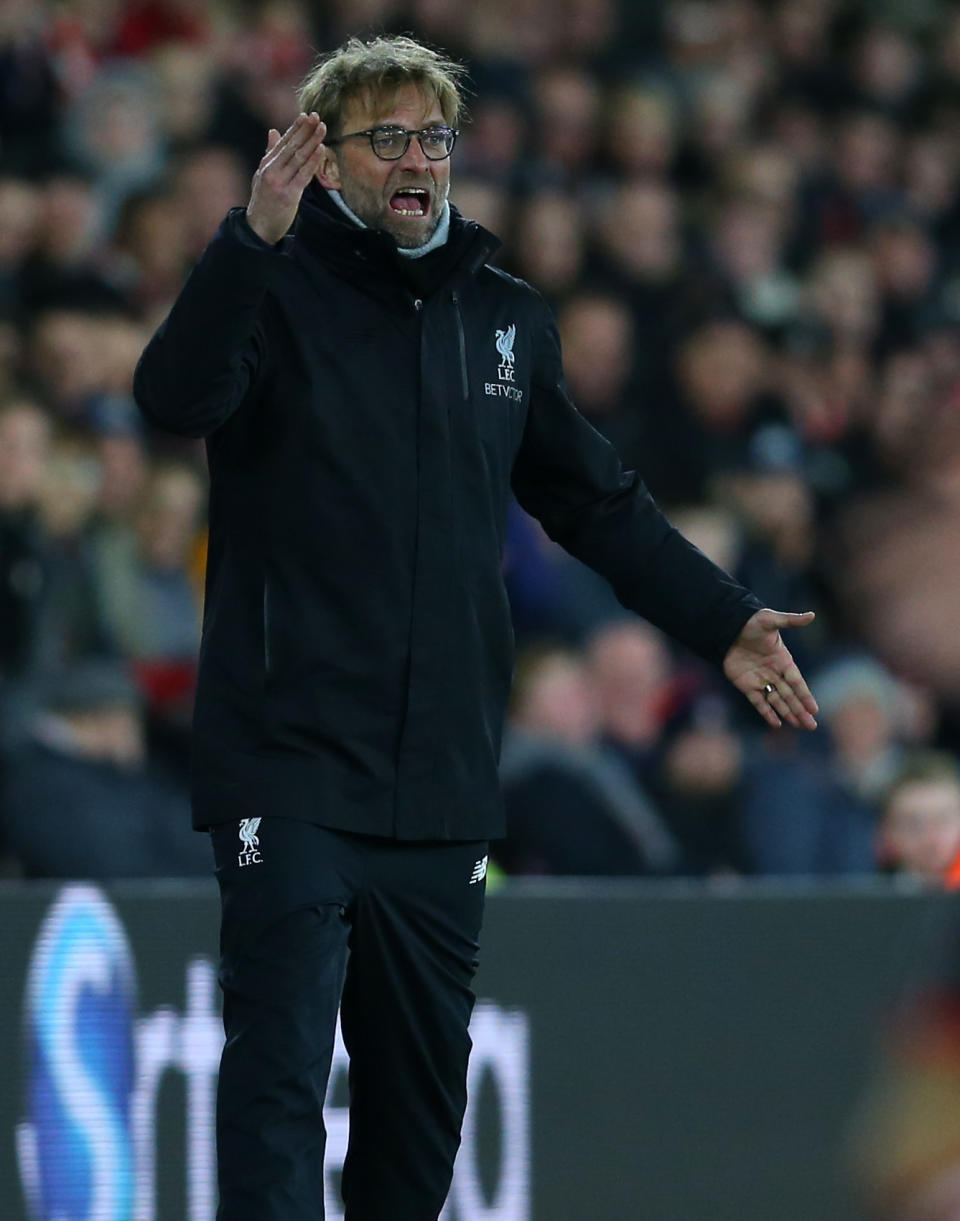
759, 659
286, 168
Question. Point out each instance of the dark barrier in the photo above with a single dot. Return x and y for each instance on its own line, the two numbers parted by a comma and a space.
641, 1053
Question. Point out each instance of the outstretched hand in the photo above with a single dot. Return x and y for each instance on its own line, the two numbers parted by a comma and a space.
285, 169
758, 657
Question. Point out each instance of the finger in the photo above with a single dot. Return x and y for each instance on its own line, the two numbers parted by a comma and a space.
798, 716
764, 707
310, 166
302, 132
799, 687
305, 152
277, 147
786, 699
776, 699
788, 704
296, 170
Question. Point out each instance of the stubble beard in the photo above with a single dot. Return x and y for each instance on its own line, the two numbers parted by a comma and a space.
369, 207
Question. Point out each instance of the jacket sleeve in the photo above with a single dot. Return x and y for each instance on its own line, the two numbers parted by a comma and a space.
205, 355
569, 477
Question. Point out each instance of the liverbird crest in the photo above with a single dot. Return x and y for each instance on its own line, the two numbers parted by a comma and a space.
248, 833
505, 344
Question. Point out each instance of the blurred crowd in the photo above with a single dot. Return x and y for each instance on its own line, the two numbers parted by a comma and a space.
746, 215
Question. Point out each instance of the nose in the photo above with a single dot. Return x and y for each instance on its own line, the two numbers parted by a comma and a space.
414, 158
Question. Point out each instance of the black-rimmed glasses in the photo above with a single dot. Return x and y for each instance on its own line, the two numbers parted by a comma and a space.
390, 143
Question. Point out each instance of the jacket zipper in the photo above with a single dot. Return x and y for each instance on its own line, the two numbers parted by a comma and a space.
266, 633
462, 345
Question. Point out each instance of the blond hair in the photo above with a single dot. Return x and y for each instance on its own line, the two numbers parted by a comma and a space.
923, 767
375, 70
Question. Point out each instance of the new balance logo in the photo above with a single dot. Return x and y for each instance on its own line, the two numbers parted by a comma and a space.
250, 854
479, 871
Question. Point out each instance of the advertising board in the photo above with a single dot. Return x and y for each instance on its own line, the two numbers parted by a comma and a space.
638, 1052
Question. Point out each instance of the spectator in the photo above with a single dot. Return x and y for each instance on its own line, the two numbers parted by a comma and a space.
862, 187
78, 797
598, 344
640, 240
549, 249
721, 374
843, 296
814, 811
485, 200
76, 356
698, 783
122, 457
676, 736
640, 255
208, 181
721, 106
24, 571
186, 75
748, 248
770, 494
919, 834
567, 104
572, 805
552, 595
150, 603
886, 70
494, 139
641, 135
68, 496
112, 131
630, 670
19, 208
259, 69
150, 250
907, 270
31, 97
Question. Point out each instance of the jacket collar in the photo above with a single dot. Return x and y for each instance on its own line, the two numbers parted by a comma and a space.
369, 257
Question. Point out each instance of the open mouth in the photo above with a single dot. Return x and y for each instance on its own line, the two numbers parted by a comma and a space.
410, 201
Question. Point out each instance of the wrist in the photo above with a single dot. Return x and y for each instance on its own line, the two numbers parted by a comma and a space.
260, 230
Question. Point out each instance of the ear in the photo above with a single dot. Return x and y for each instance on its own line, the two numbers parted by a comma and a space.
328, 171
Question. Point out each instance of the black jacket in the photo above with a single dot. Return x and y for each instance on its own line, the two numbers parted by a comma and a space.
365, 418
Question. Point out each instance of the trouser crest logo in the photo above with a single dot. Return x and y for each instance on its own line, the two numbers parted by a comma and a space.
479, 871
250, 855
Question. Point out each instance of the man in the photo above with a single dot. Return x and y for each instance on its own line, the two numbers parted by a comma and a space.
78, 795
370, 389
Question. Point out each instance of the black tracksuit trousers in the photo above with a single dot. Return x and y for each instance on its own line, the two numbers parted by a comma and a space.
313, 919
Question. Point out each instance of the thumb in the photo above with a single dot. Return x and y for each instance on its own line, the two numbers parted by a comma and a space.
272, 137
785, 619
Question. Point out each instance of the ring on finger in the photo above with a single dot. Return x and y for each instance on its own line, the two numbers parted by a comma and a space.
768, 689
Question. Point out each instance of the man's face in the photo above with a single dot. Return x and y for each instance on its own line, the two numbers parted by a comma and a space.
378, 191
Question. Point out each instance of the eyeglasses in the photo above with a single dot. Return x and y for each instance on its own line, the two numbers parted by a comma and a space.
390, 143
